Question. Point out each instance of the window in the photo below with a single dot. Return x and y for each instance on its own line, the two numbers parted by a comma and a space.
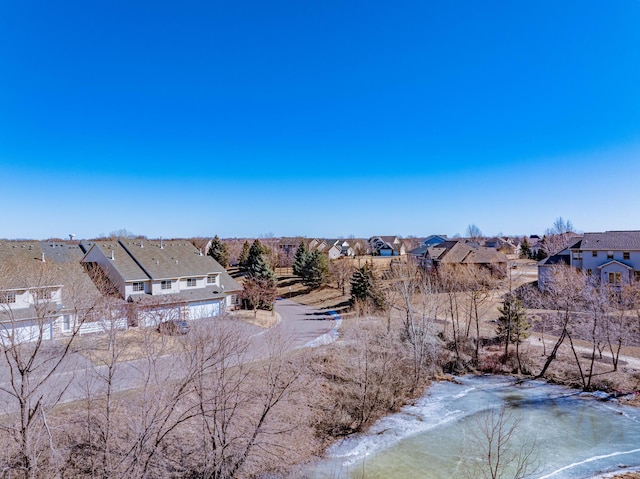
191, 282
609, 254
211, 279
43, 294
626, 255
138, 286
8, 297
594, 254
589, 272
165, 284
66, 322
615, 278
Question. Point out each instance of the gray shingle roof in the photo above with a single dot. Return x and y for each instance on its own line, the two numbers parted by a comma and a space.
122, 261
611, 240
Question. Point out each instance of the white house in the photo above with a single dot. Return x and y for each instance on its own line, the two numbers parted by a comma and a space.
613, 257
164, 279
44, 291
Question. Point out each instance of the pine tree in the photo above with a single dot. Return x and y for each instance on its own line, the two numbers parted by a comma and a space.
300, 260
366, 289
525, 249
513, 324
244, 256
260, 269
316, 270
219, 252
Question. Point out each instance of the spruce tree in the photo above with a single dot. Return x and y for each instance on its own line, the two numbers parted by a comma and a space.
219, 252
244, 256
300, 260
513, 324
525, 249
316, 270
366, 289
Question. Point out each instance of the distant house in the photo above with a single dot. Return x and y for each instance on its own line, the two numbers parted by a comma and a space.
611, 257
460, 253
163, 279
425, 244
333, 248
386, 246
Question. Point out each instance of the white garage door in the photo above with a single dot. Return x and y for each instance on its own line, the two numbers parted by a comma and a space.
204, 310
153, 317
24, 333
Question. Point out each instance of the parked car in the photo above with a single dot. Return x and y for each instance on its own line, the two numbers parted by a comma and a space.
173, 326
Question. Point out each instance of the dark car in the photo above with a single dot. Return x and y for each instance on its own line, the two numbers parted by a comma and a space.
173, 327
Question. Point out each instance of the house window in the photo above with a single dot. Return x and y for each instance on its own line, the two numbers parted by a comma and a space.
138, 286
609, 254
594, 254
43, 294
8, 297
626, 255
66, 322
589, 272
211, 279
611, 278
165, 284
191, 282
615, 278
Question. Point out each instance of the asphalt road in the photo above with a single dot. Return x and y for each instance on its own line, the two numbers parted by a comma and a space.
298, 327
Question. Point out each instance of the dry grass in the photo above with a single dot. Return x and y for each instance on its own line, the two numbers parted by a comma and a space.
135, 343
262, 319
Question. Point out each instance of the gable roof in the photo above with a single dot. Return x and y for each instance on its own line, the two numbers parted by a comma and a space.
464, 253
611, 240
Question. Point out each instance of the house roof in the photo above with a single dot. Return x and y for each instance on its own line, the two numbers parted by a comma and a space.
611, 240
464, 253
158, 259
122, 261
609, 263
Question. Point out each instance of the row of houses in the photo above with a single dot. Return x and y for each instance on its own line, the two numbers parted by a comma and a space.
51, 288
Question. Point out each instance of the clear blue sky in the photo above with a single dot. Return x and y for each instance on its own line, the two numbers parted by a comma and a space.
326, 118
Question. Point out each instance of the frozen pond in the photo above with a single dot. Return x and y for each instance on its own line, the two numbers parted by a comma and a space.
575, 435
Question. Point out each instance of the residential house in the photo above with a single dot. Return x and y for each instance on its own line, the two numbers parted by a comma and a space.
461, 253
386, 246
163, 280
45, 292
612, 257
425, 244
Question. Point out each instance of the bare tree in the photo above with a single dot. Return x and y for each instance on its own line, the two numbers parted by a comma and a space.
496, 451
473, 232
32, 363
341, 270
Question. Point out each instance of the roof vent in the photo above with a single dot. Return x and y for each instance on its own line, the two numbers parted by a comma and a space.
176, 261
43, 260
161, 244
112, 257
200, 252
141, 244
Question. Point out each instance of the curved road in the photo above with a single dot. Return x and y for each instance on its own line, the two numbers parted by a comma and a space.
300, 325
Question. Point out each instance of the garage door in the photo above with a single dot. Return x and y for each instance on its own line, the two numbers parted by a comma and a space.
155, 316
23, 332
204, 310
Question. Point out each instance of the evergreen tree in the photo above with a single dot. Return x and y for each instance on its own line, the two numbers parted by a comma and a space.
256, 251
244, 256
260, 269
219, 252
316, 270
300, 260
525, 249
542, 254
513, 324
365, 288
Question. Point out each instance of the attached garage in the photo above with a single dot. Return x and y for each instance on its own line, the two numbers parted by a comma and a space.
25, 332
204, 309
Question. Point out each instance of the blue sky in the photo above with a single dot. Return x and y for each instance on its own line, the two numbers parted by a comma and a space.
329, 118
